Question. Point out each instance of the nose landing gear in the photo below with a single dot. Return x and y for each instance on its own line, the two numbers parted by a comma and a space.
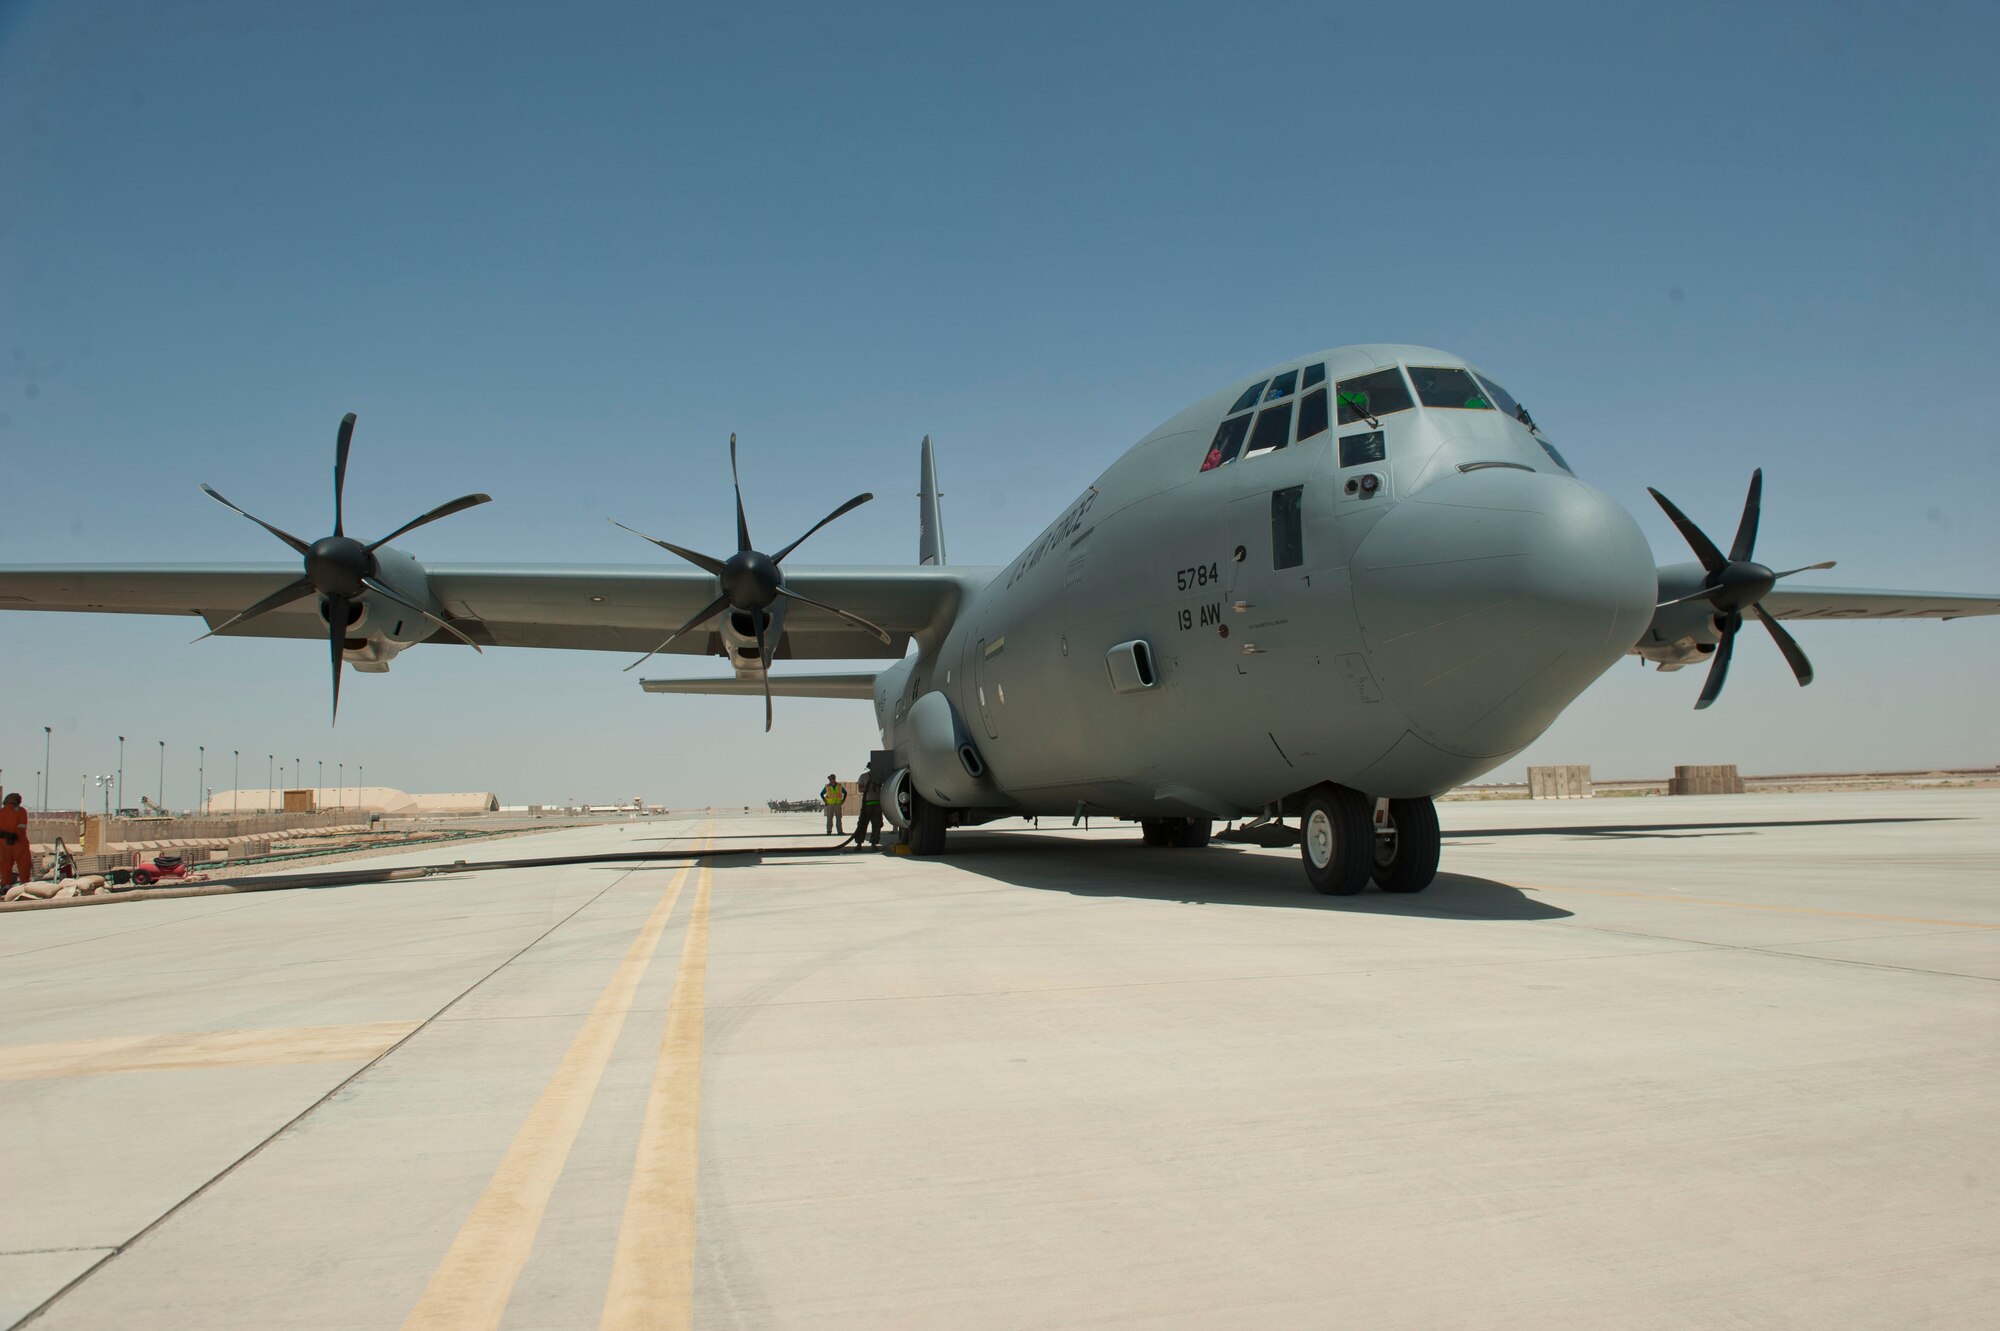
1343, 845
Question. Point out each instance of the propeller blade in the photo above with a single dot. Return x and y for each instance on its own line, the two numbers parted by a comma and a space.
1753, 507
1806, 569
340, 446
764, 662
742, 523
285, 536
458, 505
336, 632
389, 593
847, 507
1718, 671
706, 613
875, 629
285, 595
705, 563
1695, 595
1704, 549
1795, 657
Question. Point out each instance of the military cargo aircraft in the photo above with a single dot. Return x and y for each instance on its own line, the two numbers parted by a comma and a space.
1328, 593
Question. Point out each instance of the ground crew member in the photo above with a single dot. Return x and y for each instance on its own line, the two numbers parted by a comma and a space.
17, 863
868, 823
832, 795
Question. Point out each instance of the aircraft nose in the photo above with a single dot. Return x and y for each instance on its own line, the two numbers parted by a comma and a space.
1490, 599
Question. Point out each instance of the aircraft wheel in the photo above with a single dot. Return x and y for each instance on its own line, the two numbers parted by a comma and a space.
1189, 833
1338, 841
1407, 861
927, 826
1154, 830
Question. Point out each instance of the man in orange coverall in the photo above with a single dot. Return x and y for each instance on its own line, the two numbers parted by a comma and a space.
17, 865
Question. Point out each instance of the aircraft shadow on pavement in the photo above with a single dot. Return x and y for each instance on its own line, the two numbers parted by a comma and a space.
1640, 831
1218, 875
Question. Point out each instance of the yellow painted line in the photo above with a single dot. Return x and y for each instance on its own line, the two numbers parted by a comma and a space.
652, 1273
1780, 910
201, 1049
471, 1286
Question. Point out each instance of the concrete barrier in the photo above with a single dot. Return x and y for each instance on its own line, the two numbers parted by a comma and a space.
1709, 779
1567, 782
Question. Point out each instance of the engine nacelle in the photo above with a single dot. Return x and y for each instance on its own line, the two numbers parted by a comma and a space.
378, 628
1684, 634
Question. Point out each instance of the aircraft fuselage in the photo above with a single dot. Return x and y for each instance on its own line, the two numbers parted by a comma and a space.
1396, 602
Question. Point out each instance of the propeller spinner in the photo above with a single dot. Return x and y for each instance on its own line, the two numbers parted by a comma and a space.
340, 568
753, 582
1734, 584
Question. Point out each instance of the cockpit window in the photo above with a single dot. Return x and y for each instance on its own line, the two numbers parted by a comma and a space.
1312, 415
1444, 386
1500, 397
1274, 429
1375, 394
1228, 442
1314, 374
1281, 386
1249, 398
1550, 449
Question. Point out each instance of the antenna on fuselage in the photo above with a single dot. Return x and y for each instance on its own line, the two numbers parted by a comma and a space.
930, 523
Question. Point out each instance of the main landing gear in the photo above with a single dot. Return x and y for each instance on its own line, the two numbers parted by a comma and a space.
1343, 847
1182, 833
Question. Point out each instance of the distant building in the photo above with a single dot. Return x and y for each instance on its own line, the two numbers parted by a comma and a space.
385, 800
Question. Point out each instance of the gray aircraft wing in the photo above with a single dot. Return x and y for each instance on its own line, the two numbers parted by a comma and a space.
608, 607
1793, 602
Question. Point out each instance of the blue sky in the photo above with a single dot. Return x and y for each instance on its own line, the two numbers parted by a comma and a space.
559, 254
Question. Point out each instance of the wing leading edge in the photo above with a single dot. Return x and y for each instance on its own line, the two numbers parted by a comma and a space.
1793, 602
621, 608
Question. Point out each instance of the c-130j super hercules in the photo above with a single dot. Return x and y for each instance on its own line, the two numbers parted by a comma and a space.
1327, 593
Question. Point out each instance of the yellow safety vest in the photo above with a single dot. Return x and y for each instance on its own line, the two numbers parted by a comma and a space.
833, 795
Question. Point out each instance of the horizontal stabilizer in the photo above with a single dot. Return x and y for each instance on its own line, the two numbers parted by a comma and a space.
853, 684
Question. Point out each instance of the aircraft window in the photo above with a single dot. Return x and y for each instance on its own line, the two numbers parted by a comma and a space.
1282, 386
1228, 442
1274, 429
1312, 415
1550, 449
1288, 542
1250, 397
1315, 374
1375, 394
1500, 397
1447, 387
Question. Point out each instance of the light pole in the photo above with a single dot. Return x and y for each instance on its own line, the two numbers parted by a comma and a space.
121, 771
319, 783
48, 737
235, 780
341, 776
201, 778
270, 782
162, 798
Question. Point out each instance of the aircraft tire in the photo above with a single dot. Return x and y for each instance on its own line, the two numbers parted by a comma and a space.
1154, 830
1410, 861
1338, 842
1189, 833
927, 826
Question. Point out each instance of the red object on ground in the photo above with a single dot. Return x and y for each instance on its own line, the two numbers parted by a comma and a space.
148, 872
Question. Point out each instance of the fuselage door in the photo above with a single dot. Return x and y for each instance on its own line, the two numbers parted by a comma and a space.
985, 685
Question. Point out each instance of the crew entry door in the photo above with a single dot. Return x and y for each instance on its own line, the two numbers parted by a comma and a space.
985, 683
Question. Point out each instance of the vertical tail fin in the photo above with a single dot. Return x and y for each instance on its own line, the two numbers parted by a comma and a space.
930, 524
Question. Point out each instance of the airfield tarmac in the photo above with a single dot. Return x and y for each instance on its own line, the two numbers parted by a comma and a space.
1633, 1062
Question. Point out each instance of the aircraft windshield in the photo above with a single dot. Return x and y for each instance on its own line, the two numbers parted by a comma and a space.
1372, 395
1444, 386
1500, 397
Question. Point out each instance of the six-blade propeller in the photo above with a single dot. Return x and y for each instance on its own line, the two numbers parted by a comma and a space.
1734, 584
753, 582
340, 568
